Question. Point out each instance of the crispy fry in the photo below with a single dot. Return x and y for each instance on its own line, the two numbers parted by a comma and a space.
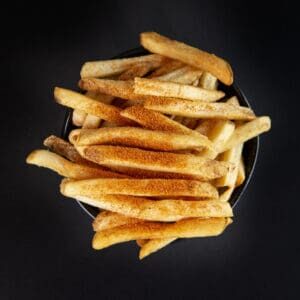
63, 167
104, 68
138, 70
141, 138
154, 245
154, 120
140, 187
78, 117
225, 196
208, 81
206, 169
141, 242
247, 131
187, 108
149, 230
168, 210
169, 66
90, 106
108, 219
218, 67
154, 87
241, 173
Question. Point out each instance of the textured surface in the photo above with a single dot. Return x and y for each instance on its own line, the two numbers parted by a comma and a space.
46, 241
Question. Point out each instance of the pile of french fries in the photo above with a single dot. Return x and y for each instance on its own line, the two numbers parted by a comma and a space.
155, 149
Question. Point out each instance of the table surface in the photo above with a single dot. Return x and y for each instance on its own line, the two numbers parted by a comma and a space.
46, 239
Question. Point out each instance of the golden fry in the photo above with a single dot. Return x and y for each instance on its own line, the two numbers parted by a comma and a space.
159, 44
182, 229
154, 245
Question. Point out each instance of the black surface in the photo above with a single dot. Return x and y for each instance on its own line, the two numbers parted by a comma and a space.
45, 238
250, 149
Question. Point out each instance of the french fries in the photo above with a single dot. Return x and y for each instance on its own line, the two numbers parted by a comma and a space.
78, 101
167, 210
205, 169
187, 108
159, 44
117, 66
148, 230
158, 156
141, 138
140, 187
50, 160
143, 86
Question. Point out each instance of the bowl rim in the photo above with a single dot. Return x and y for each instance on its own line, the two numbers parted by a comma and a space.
238, 192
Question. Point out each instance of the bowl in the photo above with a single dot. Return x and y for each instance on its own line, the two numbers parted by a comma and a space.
250, 150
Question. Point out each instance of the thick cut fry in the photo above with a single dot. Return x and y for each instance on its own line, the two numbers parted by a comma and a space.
65, 149
184, 75
241, 173
218, 67
141, 138
169, 66
206, 169
140, 187
78, 101
78, 117
154, 245
138, 70
63, 167
247, 131
208, 81
233, 156
168, 210
187, 108
104, 68
108, 219
153, 87
154, 120
183, 229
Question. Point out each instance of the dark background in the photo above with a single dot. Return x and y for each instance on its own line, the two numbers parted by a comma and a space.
46, 239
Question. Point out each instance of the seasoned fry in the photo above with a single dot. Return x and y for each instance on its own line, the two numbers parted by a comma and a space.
187, 108
63, 167
149, 230
218, 67
241, 176
141, 138
138, 70
78, 117
104, 68
155, 121
205, 169
208, 81
140, 187
90, 106
225, 196
247, 131
154, 245
153, 87
108, 219
168, 210
169, 66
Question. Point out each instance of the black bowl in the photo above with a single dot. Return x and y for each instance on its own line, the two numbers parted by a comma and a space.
250, 150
